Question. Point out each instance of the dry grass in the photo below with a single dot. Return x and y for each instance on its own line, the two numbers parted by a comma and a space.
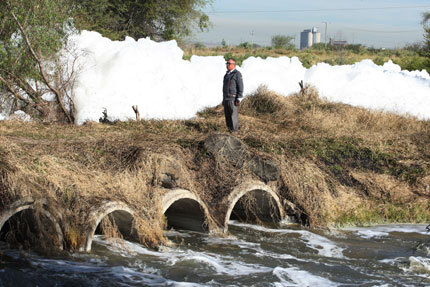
333, 158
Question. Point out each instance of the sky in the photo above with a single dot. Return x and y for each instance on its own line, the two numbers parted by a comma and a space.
374, 23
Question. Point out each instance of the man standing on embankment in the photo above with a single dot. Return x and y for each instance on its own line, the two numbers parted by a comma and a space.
232, 92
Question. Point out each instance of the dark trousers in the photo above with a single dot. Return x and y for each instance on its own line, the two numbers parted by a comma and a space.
231, 116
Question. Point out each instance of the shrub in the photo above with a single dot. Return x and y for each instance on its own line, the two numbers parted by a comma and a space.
414, 63
281, 41
245, 45
199, 45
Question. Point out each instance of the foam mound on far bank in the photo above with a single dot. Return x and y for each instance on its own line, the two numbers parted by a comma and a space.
119, 74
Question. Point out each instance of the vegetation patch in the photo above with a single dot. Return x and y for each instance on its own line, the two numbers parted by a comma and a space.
340, 155
412, 57
263, 101
388, 213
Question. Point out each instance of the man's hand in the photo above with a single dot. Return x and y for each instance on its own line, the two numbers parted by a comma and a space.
236, 103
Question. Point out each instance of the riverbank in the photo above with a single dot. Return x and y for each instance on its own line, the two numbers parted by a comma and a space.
330, 164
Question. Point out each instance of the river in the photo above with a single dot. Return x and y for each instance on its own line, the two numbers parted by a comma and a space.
251, 255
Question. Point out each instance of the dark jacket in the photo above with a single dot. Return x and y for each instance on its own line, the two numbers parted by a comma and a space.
232, 88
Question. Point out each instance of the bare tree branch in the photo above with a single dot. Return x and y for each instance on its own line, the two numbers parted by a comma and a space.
22, 84
16, 95
41, 68
136, 111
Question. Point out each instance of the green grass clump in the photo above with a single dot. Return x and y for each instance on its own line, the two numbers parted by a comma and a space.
388, 213
340, 155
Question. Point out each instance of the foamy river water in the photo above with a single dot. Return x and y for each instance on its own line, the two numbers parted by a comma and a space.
389, 255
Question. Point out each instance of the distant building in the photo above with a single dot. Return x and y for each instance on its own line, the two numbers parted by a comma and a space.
309, 37
334, 42
316, 36
305, 39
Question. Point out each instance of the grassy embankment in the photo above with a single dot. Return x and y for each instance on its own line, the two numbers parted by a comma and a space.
408, 58
339, 165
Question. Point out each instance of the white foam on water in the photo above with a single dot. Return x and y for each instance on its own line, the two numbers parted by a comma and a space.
254, 247
185, 284
126, 248
414, 265
207, 260
419, 265
137, 277
66, 266
172, 256
148, 277
231, 241
371, 234
263, 253
173, 232
384, 230
324, 246
295, 277
142, 265
392, 261
145, 277
427, 250
221, 264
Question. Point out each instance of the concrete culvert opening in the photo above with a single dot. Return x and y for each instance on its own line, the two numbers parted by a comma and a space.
186, 214
256, 206
117, 224
29, 229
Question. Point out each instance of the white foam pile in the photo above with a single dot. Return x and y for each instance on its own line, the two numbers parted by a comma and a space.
115, 75
119, 74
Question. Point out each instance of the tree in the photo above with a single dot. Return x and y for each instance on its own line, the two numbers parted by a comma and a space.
223, 43
199, 45
158, 19
281, 41
31, 34
426, 25
245, 45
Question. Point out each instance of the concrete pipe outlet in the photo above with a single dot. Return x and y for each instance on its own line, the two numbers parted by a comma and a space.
26, 223
184, 210
119, 214
254, 203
